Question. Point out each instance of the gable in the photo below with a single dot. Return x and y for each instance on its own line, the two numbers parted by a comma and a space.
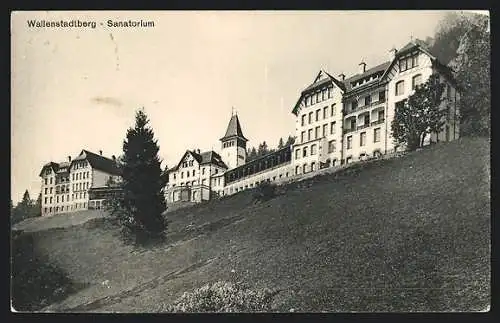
424, 58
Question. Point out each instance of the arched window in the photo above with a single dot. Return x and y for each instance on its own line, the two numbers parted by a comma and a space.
400, 87
304, 168
416, 81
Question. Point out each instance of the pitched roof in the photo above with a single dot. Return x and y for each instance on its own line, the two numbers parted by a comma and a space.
319, 81
207, 157
99, 162
52, 165
234, 129
374, 70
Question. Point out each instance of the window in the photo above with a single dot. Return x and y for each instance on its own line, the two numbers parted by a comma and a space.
193, 172
415, 81
303, 120
333, 110
414, 60
367, 119
309, 134
46, 190
325, 129
297, 154
349, 142
381, 96
45, 181
306, 100
331, 146
303, 136
376, 135
216, 170
297, 170
62, 198
368, 100
316, 134
51, 190
313, 99
354, 105
304, 168
402, 65
313, 149
304, 152
362, 139
325, 112
46, 200
332, 128
51, 180
400, 87
330, 92
317, 114
310, 117
50, 200
318, 96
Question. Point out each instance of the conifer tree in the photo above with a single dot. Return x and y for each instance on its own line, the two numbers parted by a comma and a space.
143, 180
281, 144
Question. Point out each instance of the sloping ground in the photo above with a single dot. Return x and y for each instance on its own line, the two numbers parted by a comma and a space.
408, 234
62, 220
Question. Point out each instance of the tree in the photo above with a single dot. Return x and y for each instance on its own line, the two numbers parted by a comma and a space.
23, 209
37, 206
463, 40
143, 183
420, 114
281, 144
290, 141
252, 155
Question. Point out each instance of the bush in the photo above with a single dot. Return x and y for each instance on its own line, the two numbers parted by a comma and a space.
222, 297
265, 191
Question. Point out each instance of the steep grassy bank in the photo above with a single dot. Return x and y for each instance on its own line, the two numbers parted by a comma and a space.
409, 234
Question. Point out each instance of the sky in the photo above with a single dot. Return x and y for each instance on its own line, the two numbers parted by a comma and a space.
79, 88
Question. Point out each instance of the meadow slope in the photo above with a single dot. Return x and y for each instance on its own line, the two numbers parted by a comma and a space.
406, 234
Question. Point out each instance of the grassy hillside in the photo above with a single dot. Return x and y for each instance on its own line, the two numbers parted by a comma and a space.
408, 234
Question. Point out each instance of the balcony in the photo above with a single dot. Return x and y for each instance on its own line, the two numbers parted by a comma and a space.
363, 126
364, 107
379, 121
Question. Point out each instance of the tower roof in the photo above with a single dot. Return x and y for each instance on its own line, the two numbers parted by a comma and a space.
234, 129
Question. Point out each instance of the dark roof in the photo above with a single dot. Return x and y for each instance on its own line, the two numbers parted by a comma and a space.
54, 166
207, 157
99, 162
234, 129
374, 70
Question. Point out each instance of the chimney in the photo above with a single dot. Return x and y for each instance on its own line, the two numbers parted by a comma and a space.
69, 159
100, 152
199, 152
392, 53
362, 67
342, 76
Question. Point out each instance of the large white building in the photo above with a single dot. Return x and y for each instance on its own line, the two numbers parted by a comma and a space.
339, 120
65, 186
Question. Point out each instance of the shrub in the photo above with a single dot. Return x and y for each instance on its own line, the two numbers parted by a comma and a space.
222, 297
265, 191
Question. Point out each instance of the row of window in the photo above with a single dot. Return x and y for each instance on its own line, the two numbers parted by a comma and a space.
305, 169
251, 185
186, 164
367, 100
351, 122
74, 176
231, 143
65, 208
319, 96
305, 151
317, 132
415, 81
318, 114
408, 62
49, 200
193, 173
362, 138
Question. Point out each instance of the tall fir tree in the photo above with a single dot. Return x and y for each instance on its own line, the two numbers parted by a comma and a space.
281, 144
143, 179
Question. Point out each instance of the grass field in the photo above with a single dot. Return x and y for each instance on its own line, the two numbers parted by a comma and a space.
407, 234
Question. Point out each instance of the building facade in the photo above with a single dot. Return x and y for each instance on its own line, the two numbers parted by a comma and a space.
65, 186
339, 120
